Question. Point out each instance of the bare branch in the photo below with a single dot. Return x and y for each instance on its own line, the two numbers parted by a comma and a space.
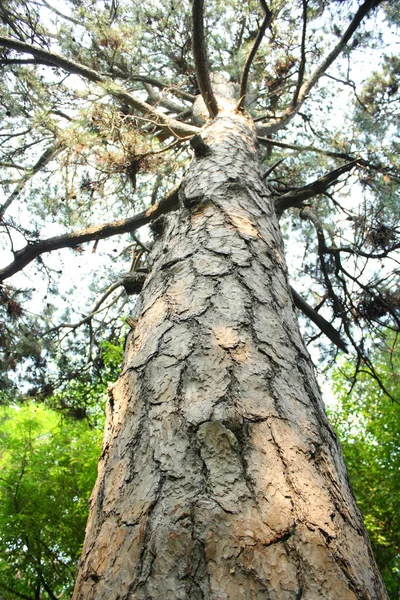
250, 57
96, 309
319, 321
265, 141
273, 167
140, 243
308, 213
96, 232
59, 14
176, 128
155, 99
51, 594
340, 46
52, 58
7, 18
279, 122
175, 91
302, 65
11, 165
18, 61
200, 58
298, 196
373, 255
374, 375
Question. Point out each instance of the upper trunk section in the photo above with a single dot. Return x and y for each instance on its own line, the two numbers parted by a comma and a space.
221, 477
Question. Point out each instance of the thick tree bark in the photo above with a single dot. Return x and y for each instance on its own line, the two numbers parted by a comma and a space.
221, 477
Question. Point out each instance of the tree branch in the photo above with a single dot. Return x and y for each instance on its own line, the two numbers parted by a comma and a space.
56, 60
11, 165
319, 321
175, 127
155, 99
338, 305
265, 141
19, 61
17, 594
278, 123
297, 197
119, 72
59, 14
273, 167
96, 232
44, 160
200, 59
302, 65
357, 251
52, 596
95, 310
250, 57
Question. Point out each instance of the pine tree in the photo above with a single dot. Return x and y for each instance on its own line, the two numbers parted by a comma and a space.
220, 475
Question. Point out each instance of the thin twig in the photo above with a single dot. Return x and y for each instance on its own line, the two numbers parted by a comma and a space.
119, 72
44, 160
266, 141
95, 310
273, 167
140, 243
59, 14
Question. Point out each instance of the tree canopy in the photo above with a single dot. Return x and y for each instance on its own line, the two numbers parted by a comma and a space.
97, 110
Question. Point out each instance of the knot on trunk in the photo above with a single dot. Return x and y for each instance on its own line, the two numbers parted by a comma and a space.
199, 146
133, 282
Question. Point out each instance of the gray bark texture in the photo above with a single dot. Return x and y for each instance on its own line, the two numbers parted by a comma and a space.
221, 477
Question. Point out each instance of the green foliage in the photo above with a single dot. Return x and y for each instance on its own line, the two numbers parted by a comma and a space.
83, 396
48, 467
368, 426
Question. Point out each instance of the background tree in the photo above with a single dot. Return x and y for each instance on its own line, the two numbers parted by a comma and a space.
369, 430
48, 467
99, 105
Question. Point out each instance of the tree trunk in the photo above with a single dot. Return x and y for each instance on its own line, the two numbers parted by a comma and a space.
221, 477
